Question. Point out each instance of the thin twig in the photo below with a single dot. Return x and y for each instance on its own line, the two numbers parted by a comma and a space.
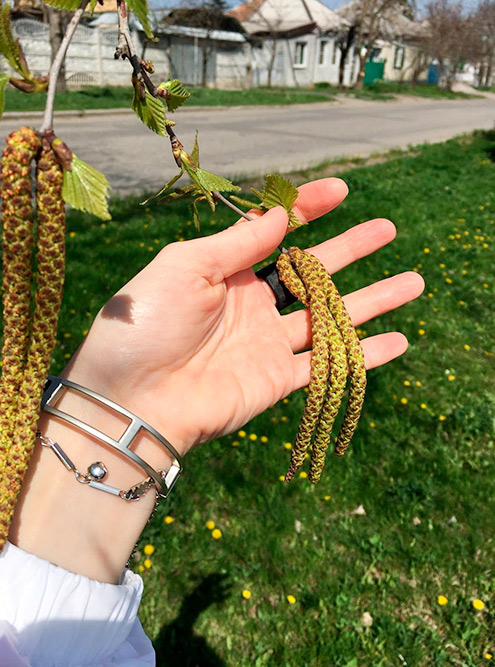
228, 203
126, 48
47, 123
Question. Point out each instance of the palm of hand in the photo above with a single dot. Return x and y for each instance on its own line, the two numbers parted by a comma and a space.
203, 349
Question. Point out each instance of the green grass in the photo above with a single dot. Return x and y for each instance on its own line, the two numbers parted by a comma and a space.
114, 97
412, 470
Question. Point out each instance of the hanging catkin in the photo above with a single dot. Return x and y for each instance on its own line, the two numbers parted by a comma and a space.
17, 250
50, 261
307, 279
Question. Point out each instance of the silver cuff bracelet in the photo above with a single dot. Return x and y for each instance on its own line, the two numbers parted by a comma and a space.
55, 387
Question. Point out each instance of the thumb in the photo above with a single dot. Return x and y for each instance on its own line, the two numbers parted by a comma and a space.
243, 244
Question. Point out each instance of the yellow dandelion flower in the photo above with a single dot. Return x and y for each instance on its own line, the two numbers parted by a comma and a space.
467, 347
303, 475
488, 656
403, 401
246, 594
426, 250
264, 438
442, 600
285, 400
141, 568
288, 445
242, 434
291, 599
149, 550
326, 497
210, 524
372, 424
235, 443
421, 332
430, 295
253, 436
283, 418
407, 383
442, 418
67, 355
423, 406
478, 604
462, 303
72, 234
281, 478
442, 266
168, 519
485, 285
448, 280
417, 383
147, 563
451, 378
216, 534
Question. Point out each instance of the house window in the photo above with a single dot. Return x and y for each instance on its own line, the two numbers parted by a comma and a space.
334, 53
300, 53
399, 57
322, 53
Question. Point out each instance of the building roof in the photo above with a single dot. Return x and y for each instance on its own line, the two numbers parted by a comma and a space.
268, 16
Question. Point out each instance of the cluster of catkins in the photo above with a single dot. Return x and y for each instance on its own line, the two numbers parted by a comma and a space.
336, 353
29, 325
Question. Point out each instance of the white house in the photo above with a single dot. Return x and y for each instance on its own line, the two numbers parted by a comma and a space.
292, 41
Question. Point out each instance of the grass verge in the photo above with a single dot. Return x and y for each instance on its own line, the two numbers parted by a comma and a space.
115, 97
405, 517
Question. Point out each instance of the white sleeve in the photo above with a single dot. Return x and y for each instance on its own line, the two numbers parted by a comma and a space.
50, 617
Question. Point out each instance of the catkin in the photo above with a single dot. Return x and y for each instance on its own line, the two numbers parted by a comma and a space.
307, 279
50, 261
315, 299
17, 249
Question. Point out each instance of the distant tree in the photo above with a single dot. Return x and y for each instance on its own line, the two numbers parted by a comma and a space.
451, 37
57, 22
365, 22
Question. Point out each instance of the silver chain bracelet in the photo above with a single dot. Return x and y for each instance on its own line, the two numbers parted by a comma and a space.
97, 471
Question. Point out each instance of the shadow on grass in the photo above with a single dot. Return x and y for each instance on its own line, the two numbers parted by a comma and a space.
177, 643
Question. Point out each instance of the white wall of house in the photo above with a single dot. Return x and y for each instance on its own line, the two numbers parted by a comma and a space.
400, 61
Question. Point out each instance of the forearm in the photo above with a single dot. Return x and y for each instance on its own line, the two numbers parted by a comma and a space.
79, 528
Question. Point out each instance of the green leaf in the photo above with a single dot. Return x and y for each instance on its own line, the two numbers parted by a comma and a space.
195, 215
195, 151
86, 189
4, 79
164, 189
151, 111
246, 202
68, 5
212, 182
9, 46
140, 8
279, 191
91, 6
178, 94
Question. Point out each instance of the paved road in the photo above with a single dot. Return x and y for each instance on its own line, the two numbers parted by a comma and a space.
254, 140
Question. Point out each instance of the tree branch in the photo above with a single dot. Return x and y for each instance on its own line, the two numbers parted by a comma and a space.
126, 49
47, 123
232, 206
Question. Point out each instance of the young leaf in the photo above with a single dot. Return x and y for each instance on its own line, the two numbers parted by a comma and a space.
140, 8
86, 189
195, 215
195, 150
91, 6
9, 46
68, 5
279, 191
164, 189
151, 111
4, 79
212, 182
246, 202
178, 94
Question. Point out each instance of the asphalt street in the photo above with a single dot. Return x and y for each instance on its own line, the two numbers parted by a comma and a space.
255, 140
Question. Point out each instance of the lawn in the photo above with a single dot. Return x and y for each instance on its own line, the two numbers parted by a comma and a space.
115, 97
405, 517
